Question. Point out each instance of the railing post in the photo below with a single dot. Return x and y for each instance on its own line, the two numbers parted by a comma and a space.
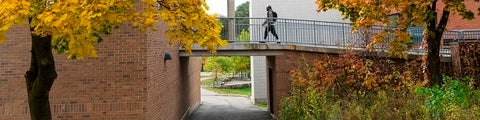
315, 33
285, 31
343, 34
462, 37
231, 20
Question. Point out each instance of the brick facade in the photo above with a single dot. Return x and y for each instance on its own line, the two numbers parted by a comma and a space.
128, 80
13, 64
282, 65
456, 22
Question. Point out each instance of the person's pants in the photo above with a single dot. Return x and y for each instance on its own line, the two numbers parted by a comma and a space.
270, 28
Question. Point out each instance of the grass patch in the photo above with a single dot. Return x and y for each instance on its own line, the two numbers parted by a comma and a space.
263, 105
241, 91
207, 81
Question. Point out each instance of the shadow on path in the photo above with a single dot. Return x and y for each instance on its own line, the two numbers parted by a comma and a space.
218, 107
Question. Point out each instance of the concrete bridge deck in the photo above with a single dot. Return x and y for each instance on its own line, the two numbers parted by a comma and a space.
273, 49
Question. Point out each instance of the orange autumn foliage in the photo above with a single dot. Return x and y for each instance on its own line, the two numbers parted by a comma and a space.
349, 73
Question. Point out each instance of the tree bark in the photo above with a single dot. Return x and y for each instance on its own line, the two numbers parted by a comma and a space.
433, 39
40, 77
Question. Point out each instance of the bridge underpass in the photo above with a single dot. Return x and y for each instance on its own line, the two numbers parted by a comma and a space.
306, 36
259, 53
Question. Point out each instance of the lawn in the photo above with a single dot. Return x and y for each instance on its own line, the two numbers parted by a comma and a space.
208, 83
240, 91
262, 105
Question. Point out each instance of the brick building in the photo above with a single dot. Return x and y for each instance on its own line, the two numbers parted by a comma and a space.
456, 22
128, 80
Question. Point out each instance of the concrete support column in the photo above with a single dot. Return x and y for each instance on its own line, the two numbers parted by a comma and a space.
258, 68
231, 21
456, 61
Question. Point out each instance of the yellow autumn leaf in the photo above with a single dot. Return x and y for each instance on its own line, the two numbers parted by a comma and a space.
2, 38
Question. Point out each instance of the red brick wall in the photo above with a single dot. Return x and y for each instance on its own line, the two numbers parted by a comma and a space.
110, 86
174, 85
163, 80
128, 79
189, 85
282, 66
13, 64
456, 22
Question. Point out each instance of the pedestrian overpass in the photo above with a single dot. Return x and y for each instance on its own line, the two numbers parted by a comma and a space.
306, 36
246, 38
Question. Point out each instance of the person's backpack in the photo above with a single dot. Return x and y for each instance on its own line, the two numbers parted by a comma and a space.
274, 16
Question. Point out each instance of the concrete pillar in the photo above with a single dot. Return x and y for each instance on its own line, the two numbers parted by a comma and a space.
231, 21
258, 68
456, 61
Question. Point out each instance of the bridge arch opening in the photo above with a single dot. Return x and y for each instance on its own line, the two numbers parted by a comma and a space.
216, 106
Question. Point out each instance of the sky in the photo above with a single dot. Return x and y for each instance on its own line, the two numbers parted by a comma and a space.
220, 6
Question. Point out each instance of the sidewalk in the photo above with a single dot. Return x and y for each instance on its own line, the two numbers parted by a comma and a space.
218, 107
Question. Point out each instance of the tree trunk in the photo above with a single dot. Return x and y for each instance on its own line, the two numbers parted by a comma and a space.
433, 39
40, 77
216, 76
433, 60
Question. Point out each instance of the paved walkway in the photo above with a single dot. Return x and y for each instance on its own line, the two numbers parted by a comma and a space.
218, 107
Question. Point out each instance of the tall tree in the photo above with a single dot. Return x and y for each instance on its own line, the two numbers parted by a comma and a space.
218, 64
227, 64
366, 13
73, 27
240, 64
243, 22
243, 10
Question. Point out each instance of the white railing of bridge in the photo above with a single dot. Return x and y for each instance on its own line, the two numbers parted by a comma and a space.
323, 33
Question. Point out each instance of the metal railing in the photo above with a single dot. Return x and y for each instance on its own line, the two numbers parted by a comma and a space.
323, 33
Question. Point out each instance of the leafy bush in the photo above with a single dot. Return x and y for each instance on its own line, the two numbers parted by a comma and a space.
354, 88
302, 104
450, 100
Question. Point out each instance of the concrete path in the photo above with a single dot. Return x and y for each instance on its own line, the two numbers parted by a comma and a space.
218, 107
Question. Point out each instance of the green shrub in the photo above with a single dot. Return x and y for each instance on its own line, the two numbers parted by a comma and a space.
302, 104
451, 100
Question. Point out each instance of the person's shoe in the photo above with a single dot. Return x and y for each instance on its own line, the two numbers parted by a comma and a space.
262, 41
278, 42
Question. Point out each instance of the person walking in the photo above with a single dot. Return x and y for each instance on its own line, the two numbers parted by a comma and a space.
270, 21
